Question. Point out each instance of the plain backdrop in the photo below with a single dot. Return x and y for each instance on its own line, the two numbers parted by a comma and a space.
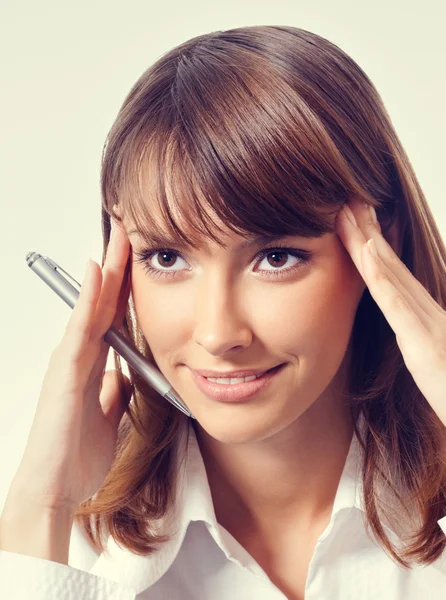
66, 68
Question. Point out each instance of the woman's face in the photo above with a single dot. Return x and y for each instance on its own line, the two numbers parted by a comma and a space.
232, 309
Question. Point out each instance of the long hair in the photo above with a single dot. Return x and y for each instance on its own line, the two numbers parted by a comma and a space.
273, 129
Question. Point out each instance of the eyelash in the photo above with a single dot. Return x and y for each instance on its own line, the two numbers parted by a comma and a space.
303, 255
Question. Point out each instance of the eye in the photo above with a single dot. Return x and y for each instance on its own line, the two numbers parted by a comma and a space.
164, 262
161, 262
279, 261
165, 259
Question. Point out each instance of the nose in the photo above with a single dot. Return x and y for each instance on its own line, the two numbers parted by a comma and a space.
220, 325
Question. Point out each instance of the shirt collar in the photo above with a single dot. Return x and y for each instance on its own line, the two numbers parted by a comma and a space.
197, 499
193, 502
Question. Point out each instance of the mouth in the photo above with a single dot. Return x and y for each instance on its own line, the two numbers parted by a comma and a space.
235, 388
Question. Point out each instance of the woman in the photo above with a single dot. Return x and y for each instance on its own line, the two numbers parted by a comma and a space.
243, 176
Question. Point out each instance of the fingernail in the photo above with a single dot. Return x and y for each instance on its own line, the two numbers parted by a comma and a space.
88, 268
350, 216
372, 248
373, 213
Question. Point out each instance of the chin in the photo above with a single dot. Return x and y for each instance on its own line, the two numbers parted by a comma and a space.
239, 425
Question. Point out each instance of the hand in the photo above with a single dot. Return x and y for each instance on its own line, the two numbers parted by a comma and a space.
417, 320
72, 440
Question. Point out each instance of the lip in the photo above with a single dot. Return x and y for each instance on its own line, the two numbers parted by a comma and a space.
233, 374
237, 392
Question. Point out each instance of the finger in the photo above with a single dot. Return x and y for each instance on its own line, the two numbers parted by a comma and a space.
114, 269
396, 265
354, 240
112, 402
407, 286
78, 329
400, 309
351, 237
124, 296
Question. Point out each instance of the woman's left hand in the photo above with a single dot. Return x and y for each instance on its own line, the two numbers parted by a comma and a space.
417, 320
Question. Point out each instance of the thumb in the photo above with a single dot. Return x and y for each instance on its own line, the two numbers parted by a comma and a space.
113, 403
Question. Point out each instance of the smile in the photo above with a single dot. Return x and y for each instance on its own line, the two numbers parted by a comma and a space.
235, 389
233, 380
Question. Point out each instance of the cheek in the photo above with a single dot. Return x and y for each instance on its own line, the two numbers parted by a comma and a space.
161, 312
314, 315
305, 318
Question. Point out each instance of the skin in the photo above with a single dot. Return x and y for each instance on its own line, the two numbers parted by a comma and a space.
264, 491
274, 461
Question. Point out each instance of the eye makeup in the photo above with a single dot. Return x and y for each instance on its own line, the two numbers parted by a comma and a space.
303, 258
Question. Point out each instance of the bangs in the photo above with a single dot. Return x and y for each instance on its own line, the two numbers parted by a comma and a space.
221, 155
169, 197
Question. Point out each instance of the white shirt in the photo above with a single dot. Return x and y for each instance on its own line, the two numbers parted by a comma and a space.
203, 561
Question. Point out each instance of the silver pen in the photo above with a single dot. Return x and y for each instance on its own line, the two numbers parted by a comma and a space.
51, 274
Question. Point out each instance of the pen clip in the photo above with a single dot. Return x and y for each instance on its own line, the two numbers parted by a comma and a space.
56, 267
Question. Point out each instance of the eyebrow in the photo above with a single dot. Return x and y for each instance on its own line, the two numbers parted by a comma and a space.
251, 241
260, 240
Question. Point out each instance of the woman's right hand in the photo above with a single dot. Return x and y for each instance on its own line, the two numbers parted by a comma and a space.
73, 437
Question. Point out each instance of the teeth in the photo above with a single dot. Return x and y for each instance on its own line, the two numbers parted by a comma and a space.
233, 380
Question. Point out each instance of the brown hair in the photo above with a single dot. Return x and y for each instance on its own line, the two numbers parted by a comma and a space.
274, 129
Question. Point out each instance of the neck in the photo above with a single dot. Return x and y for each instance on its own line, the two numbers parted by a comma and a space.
289, 479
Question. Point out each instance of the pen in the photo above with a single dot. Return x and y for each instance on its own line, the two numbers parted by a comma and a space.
51, 273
